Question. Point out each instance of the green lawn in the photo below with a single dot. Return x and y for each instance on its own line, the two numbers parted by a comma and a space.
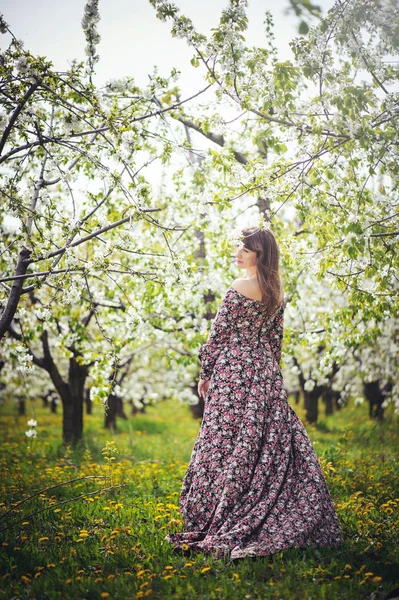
110, 544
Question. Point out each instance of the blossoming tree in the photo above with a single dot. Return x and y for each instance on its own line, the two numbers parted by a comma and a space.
96, 284
314, 140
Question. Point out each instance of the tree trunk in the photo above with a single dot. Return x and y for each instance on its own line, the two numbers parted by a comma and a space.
72, 420
328, 401
376, 396
312, 405
110, 413
136, 410
53, 405
88, 402
21, 406
114, 408
337, 396
15, 293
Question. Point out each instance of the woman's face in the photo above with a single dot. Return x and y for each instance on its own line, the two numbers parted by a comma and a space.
245, 258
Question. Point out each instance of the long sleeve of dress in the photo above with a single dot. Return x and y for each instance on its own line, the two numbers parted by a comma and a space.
276, 333
220, 332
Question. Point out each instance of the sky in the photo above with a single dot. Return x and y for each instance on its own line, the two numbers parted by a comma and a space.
133, 40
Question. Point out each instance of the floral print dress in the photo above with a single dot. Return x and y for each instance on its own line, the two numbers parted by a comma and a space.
254, 485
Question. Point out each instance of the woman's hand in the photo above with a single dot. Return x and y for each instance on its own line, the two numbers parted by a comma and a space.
203, 386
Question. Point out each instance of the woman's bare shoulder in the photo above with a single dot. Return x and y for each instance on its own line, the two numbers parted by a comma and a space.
248, 287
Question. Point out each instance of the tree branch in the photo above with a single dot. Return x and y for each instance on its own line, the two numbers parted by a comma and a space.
16, 113
15, 293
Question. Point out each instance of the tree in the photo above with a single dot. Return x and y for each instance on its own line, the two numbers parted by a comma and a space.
317, 136
76, 201
308, 144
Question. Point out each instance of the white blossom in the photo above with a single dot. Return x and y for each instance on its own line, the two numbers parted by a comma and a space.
31, 433
309, 385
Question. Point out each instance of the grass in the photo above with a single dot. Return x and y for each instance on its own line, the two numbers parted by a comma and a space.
110, 544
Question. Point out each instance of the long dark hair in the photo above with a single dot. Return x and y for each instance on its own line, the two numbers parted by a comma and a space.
263, 242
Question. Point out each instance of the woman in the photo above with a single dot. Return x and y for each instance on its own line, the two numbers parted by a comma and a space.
254, 485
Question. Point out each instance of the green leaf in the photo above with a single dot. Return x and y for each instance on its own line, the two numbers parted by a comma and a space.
303, 28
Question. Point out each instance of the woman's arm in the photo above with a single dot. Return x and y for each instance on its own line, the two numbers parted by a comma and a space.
219, 335
276, 333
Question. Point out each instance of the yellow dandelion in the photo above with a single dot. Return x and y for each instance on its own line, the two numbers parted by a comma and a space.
104, 595
25, 579
376, 579
205, 569
43, 539
68, 581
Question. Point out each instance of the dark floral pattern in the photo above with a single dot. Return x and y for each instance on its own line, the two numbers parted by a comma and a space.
254, 485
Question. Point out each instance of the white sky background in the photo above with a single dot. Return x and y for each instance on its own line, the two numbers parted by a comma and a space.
133, 40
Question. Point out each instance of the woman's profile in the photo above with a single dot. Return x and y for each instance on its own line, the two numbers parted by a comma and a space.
254, 485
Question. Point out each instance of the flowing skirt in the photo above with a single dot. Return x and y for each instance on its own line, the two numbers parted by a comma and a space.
254, 485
